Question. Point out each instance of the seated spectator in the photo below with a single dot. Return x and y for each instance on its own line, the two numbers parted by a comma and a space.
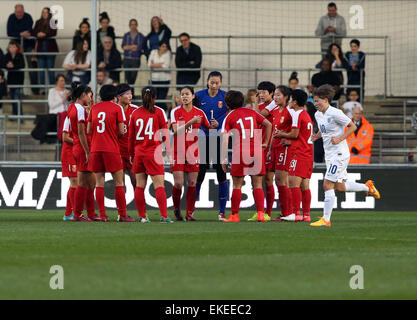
293, 81
106, 30
356, 62
43, 33
76, 62
83, 33
318, 144
57, 97
326, 76
133, 46
160, 59
188, 55
250, 98
352, 103
14, 61
102, 79
159, 32
109, 58
360, 142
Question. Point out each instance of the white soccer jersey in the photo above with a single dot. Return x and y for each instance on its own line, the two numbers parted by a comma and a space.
332, 124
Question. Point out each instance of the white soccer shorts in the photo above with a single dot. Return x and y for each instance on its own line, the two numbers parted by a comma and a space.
337, 169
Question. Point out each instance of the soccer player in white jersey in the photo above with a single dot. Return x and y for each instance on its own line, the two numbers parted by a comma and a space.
332, 123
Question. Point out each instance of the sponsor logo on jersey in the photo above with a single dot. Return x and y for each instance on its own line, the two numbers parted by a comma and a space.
220, 104
282, 119
329, 120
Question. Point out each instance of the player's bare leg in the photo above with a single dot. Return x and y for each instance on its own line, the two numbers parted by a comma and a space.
176, 193
140, 202
161, 197
132, 177
191, 194
236, 198
285, 199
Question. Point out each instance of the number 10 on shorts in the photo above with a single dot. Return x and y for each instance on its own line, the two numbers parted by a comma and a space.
332, 169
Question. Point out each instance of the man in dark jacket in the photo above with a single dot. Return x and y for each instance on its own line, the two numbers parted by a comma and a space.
188, 55
109, 58
20, 25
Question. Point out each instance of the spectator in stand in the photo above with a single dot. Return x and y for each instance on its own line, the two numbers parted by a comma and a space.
57, 97
43, 33
360, 141
14, 61
102, 79
337, 61
1, 59
3, 89
250, 99
76, 62
352, 103
160, 59
83, 33
355, 63
109, 58
326, 76
317, 144
19, 25
188, 55
293, 81
133, 45
106, 30
159, 32
332, 27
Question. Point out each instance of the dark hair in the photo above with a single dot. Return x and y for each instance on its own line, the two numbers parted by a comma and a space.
189, 88
268, 86
108, 92
77, 91
293, 76
59, 75
300, 96
184, 34
163, 42
215, 74
285, 91
14, 43
148, 98
122, 88
102, 70
103, 16
160, 24
49, 12
133, 19
326, 91
332, 4
311, 110
329, 54
80, 55
85, 21
355, 41
234, 99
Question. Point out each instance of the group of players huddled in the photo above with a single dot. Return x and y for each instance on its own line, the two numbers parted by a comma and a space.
273, 139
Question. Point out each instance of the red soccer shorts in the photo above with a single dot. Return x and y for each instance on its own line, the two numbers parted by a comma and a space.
105, 162
126, 163
146, 163
280, 158
193, 166
269, 160
80, 158
256, 168
69, 170
300, 167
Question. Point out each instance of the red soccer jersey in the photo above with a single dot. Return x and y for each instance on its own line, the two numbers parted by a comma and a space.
66, 152
144, 126
76, 114
270, 107
302, 146
124, 140
186, 139
247, 123
105, 118
282, 120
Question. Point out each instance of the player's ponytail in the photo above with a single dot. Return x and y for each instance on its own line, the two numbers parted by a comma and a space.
149, 98
77, 91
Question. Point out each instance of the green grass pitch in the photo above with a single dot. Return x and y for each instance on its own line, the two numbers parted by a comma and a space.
208, 259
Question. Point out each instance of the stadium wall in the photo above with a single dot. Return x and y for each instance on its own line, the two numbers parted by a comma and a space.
395, 19
24, 186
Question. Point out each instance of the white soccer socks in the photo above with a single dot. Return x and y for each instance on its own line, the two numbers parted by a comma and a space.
356, 187
329, 198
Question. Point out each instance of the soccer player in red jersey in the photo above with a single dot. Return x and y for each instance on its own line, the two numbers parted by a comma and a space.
300, 157
248, 155
186, 121
69, 169
106, 125
147, 128
124, 97
77, 114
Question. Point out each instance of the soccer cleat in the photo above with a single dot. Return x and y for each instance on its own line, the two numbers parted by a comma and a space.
104, 219
68, 218
233, 218
261, 217
125, 219
290, 217
267, 217
190, 217
306, 218
94, 218
372, 190
166, 220
222, 217
81, 219
298, 218
277, 218
144, 220
178, 215
321, 223
254, 217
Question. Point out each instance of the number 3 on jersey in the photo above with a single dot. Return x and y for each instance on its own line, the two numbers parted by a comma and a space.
148, 129
102, 125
